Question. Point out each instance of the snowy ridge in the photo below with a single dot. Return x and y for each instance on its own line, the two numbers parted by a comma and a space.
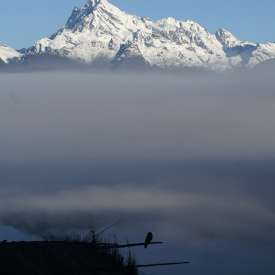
99, 31
7, 53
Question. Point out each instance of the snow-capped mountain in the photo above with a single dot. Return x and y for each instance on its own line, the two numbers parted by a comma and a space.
101, 32
7, 54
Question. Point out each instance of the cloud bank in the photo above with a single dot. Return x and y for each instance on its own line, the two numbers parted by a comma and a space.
188, 157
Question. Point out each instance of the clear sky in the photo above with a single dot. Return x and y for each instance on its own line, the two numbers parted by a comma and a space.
24, 22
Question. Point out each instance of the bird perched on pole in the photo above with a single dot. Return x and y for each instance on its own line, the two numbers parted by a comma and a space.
148, 239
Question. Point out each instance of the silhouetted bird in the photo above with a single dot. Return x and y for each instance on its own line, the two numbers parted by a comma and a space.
148, 239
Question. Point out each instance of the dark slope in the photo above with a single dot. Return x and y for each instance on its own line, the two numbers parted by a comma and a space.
70, 258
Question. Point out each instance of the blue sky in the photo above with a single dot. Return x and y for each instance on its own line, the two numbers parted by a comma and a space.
23, 22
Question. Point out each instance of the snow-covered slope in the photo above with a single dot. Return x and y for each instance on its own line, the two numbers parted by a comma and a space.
7, 53
99, 31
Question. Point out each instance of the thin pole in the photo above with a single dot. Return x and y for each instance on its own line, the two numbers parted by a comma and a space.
162, 264
110, 246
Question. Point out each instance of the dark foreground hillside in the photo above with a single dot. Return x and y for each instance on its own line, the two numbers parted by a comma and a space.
70, 258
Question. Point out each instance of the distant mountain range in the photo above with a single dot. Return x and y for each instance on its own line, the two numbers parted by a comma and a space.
99, 33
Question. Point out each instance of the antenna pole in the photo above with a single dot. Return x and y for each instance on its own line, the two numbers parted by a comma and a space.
162, 264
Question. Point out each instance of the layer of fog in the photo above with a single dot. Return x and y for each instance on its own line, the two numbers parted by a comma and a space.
70, 116
189, 157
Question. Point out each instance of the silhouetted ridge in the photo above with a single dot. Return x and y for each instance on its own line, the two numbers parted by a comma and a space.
62, 257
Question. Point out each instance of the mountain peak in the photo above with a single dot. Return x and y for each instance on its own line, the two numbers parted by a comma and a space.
7, 53
93, 2
226, 38
96, 2
81, 15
